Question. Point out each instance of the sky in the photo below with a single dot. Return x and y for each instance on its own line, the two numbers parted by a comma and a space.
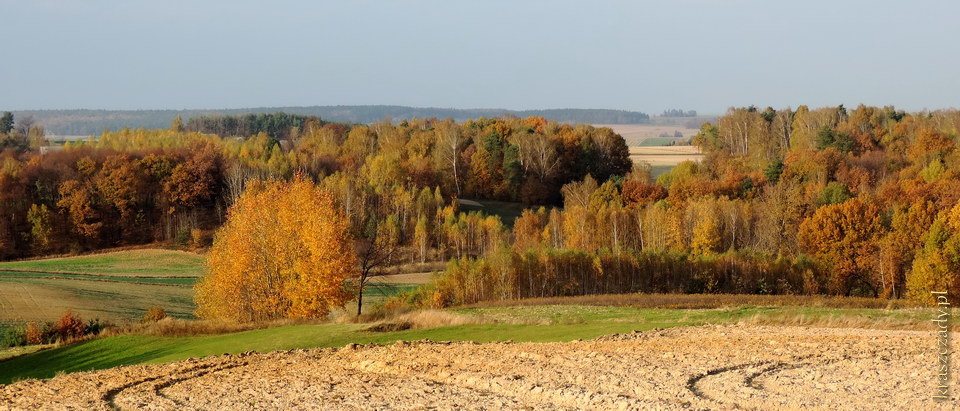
704, 55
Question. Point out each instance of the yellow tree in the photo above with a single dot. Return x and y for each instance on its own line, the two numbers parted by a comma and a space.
284, 252
705, 240
421, 237
901, 244
527, 229
937, 265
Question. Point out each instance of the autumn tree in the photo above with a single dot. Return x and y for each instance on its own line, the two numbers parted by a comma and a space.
705, 237
41, 226
448, 145
936, 267
421, 237
176, 125
900, 245
845, 235
284, 252
376, 248
528, 229
78, 199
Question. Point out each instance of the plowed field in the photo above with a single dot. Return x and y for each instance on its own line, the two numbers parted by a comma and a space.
732, 366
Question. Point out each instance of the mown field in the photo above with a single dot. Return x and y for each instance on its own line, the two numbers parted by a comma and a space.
538, 323
662, 153
649, 134
116, 286
663, 158
129, 263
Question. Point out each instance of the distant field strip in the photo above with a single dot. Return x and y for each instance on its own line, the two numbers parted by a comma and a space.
154, 263
164, 281
24, 298
665, 155
646, 134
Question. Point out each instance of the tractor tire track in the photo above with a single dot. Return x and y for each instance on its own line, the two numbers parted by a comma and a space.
707, 367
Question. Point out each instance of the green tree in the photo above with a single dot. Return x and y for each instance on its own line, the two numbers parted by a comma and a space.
833, 193
41, 226
6, 122
774, 170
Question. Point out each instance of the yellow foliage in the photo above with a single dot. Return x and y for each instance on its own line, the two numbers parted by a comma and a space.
937, 265
284, 252
705, 237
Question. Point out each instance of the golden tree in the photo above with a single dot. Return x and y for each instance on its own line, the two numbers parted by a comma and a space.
284, 252
937, 264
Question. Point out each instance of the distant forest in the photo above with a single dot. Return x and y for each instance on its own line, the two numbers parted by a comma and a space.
674, 112
87, 122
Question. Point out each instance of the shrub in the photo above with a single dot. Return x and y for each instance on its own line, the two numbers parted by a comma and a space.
182, 238
36, 333
154, 314
69, 327
96, 326
198, 239
13, 337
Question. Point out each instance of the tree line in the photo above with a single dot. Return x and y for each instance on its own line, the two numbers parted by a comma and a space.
137, 186
93, 122
861, 202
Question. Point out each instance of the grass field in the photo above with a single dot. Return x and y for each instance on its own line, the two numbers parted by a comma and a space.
662, 159
507, 211
120, 286
176, 281
516, 323
40, 299
116, 286
657, 142
145, 262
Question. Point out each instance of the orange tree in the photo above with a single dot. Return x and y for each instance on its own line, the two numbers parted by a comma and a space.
846, 236
284, 252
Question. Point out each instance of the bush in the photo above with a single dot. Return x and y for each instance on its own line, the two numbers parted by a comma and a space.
198, 239
13, 337
182, 238
96, 326
36, 333
69, 327
154, 314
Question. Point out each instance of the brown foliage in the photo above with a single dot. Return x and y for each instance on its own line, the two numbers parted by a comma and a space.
640, 194
70, 327
154, 314
845, 235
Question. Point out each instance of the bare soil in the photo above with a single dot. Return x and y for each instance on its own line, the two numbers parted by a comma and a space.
709, 367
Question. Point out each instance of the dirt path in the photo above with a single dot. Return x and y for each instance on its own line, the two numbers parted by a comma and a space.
698, 367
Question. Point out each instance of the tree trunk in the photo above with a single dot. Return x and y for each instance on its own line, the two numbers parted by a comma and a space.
360, 302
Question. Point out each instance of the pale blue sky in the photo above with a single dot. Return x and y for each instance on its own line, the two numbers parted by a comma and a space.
632, 55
